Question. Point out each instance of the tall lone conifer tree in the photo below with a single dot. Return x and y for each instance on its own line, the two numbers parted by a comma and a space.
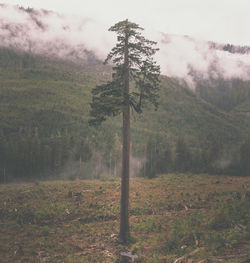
135, 81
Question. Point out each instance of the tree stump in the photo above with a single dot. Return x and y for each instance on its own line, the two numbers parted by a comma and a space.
127, 257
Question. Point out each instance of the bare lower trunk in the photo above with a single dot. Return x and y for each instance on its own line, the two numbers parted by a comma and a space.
124, 222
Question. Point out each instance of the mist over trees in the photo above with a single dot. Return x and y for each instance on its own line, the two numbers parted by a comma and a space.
181, 157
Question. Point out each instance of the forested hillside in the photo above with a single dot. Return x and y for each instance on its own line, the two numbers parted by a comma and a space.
225, 94
45, 110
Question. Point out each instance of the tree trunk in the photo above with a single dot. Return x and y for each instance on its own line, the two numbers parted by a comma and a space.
124, 213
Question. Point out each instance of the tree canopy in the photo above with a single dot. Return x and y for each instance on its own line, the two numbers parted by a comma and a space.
143, 74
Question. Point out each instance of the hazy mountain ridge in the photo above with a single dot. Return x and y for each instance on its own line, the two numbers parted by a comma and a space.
32, 32
50, 35
33, 87
234, 49
44, 112
43, 33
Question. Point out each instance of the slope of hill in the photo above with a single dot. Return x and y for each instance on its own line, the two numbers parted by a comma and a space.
54, 95
45, 103
182, 113
224, 94
38, 92
244, 107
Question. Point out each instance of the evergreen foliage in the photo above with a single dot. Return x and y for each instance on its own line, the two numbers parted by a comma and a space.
108, 98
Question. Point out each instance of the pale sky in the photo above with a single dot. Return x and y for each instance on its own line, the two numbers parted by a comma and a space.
226, 21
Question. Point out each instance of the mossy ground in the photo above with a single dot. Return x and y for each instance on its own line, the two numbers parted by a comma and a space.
78, 221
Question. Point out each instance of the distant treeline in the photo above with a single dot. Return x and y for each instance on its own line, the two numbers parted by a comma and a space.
217, 158
27, 156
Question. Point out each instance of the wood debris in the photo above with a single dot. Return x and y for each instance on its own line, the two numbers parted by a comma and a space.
127, 256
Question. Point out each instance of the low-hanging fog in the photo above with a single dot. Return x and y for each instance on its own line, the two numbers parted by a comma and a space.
69, 37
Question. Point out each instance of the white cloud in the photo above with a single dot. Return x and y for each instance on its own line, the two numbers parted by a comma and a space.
51, 33
60, 34
181, 56
217, 20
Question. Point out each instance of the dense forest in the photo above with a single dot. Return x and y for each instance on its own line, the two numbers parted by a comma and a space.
44, 130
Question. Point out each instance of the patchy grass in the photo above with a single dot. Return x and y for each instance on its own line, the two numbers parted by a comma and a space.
171, 216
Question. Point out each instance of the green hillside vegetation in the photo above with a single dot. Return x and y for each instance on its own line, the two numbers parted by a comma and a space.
224, 94
244, 107
182, 113
202, 218
36, 92
44, 112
